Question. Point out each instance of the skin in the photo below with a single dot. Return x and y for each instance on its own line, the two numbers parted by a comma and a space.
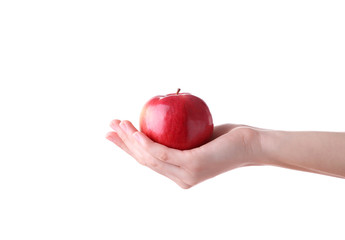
234, 146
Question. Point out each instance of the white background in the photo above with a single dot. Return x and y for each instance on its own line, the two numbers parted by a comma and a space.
67, 68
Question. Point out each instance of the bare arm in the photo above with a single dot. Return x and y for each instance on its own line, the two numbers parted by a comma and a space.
234, 146
318, 152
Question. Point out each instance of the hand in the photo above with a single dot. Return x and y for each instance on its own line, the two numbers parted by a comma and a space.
232, 146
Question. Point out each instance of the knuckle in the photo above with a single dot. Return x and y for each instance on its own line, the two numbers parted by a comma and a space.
162, 156
139, 159
141, 162
194, 175
124, 138
152, 163
185, 186
191, 181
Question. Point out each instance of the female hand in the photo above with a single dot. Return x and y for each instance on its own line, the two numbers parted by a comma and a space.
232, 146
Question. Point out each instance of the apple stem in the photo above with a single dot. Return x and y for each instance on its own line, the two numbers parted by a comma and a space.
178, 90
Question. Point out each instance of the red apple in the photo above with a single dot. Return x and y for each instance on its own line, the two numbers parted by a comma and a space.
179, 120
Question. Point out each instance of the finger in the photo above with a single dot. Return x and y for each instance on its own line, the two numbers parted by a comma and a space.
124, 132
148, 154
115, 124
139, 142
127, 127
124, 129
114, 137
159, 161
161, 152
172, 172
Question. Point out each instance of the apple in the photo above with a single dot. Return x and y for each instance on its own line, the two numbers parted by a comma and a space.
179, 120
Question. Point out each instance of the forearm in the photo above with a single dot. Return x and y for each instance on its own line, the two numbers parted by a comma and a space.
319, 152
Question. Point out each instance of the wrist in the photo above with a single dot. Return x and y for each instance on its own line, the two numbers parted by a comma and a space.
257, 143
269, 140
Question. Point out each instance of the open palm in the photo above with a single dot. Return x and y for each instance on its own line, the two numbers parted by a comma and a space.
232, 146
